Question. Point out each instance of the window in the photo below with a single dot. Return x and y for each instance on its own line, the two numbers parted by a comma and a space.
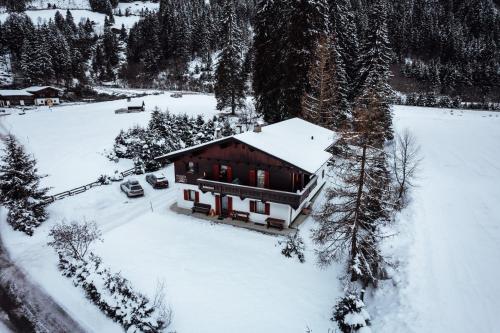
191, 166
261, 178
323, 173
260, 207
223, 171
191, 195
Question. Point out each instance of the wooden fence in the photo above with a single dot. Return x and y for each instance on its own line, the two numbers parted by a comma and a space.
81, 189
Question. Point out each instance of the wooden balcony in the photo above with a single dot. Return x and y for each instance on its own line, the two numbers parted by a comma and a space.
257, 193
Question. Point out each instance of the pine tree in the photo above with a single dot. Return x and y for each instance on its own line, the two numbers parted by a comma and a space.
36, 61
306, 24
343, 26
325, 102
270, 27
350, 314
350, 218
20, 187
229, 86
286, 33
375, 61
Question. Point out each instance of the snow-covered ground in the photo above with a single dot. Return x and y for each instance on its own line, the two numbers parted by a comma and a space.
219, 278
69, 141
449, 241
62, 4
224, 279
136, 7
41, 16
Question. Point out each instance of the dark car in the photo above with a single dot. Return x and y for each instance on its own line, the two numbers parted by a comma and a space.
157, 181
132, 188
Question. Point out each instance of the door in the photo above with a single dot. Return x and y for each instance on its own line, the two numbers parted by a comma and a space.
226, 205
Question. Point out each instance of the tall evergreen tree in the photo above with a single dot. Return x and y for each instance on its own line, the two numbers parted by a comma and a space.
230, 85
375, 61
350, 218
325, 102
20, 187
270, 27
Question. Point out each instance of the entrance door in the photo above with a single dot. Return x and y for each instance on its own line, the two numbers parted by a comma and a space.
226, 204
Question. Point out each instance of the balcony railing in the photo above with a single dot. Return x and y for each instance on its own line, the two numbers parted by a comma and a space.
263, 194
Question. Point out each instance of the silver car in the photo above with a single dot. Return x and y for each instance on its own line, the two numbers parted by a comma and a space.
132, 188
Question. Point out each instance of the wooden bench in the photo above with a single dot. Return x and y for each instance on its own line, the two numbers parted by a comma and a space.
199, 207
241, 216
275, 223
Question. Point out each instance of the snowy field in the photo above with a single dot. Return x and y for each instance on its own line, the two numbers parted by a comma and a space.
69, 141
450, 235
41, 16
224, 279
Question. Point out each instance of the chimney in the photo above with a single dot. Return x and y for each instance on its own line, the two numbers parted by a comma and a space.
239, 129
257, 128
218, 134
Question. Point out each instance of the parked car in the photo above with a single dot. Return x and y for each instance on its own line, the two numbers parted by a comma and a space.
157, 181
132, 188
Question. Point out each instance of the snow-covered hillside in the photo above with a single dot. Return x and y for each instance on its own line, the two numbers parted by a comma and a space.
224, 279
41, 16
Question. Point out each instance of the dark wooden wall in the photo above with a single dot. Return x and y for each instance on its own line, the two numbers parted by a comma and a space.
242, 158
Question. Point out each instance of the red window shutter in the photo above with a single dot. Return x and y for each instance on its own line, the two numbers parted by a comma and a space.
229, 174
196, 196
268, 208
251, 177
215, 172
217, 205
266, 179
186, 195
252, 206
229, 204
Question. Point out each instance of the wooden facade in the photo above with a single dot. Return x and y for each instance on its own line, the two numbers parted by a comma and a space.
234, 162
231, 167
16, 100
46, 92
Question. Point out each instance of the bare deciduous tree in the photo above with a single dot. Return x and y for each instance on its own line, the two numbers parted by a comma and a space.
164, 312
74, 239
405, 164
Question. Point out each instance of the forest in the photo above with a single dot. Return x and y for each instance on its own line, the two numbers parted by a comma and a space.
447, 47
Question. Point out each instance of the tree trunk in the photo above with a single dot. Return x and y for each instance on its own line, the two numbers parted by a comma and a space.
354, 245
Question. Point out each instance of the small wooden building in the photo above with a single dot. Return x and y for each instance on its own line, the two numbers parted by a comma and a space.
16, 97
266, 176
45, 95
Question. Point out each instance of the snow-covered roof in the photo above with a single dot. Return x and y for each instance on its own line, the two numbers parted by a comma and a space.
295, 141
12, 92
38, 88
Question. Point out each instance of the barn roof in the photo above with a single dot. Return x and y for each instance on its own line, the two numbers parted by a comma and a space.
295, 141
12, 92
38, 88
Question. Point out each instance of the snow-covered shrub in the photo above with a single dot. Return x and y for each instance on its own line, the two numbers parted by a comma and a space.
21, 217
165, 133
104, 179
294, 246
350, 314
115, 296
74, 239
116, 177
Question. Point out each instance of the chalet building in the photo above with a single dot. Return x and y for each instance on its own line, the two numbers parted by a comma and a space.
263, 176
45, 95
15, 97
35, 95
